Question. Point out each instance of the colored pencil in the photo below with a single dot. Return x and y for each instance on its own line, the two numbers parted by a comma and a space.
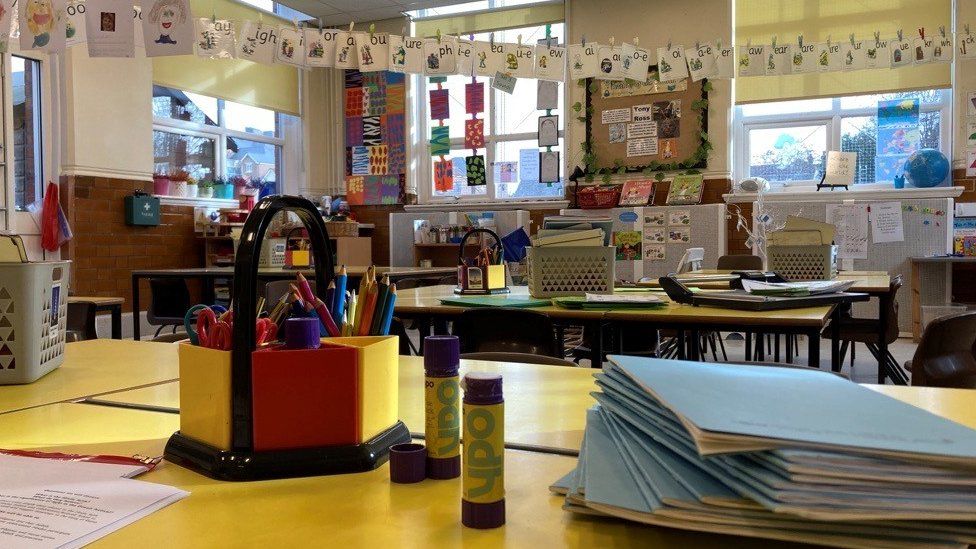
340, 295
361, 296
378, 313
369, 307
305, 290
330, 299
388, 317
325, 317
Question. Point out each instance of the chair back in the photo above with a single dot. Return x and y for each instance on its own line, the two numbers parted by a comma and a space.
449, 280
740, 262
169, 302
410, 283
81, 321
496, 329
276, 288
891, 330
944, 357
524, 358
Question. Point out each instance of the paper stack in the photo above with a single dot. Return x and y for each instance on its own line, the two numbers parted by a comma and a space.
777, 453
611, 301
553, 223
796, 289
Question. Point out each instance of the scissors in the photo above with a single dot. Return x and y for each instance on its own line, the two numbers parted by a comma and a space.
266, 330
188, 319
213, 333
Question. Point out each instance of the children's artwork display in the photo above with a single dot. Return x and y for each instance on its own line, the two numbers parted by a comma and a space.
109, 29
43, 25
76, 31
320, 47
257, 42
291, 47
898, 137
375, 144
216, 38
167, 27
548, 130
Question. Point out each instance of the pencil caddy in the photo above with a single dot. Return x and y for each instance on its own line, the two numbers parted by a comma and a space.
249, 414
474, 280
33, 318
296, 258
812, 262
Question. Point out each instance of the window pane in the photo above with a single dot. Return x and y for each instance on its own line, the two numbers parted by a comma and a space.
517, 182
245, 118
787, 154
787, 107
182, 105
930, 127
289, 13
263, 4
176, 151
460, 186
871, 101
28, 154
860, 134
252, 160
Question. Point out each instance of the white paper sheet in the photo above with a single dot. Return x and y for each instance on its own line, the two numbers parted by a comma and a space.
851, 221
320, 47
109, 28
886, 222
167, 26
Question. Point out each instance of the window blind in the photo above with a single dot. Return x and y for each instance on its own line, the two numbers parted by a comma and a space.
816, 20
268, 86
491, 20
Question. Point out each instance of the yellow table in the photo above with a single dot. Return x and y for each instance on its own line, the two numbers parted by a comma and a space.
357, 510
95, 367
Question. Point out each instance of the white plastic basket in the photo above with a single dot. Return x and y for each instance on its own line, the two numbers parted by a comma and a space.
570, 270
803, 262
33, 319
272, 253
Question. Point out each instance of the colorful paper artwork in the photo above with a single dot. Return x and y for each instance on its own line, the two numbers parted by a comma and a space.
360, 161
377, 102
392, 127
354, 79
395, 98
474, 133
474, 97
355, 189
378, 160
391, 189
443, 175
167, 27
354, 102
40, 21
397, 163
440, 141
440, 108
354, 131
475, 168
371, 131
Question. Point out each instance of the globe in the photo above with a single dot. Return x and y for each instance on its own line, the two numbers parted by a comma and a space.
926, 168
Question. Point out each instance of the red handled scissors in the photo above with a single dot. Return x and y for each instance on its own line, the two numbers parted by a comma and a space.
266, 330
213, 333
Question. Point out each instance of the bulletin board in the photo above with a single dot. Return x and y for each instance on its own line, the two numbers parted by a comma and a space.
680, 111
375, 144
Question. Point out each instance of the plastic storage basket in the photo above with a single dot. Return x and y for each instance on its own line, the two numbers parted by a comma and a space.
803, 262
272, 254
570, 270
33, 318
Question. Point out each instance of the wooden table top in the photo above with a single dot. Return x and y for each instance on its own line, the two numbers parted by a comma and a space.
97, 300
427, 300
352, 270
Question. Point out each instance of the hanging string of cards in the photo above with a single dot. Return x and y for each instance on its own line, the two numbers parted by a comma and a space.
111, 28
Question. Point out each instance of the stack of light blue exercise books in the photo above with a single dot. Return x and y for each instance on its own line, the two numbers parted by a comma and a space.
779, 453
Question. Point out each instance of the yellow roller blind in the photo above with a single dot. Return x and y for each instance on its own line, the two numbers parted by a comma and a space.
268, 86
492, 20
816, 20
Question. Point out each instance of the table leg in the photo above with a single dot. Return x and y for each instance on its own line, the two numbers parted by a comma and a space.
695, 345
883, 304
560, 339
835, 364
423, 328
680, 337
116, 321
761, 345
916, 290
596, 352
136, 317
776, 348
813, 353
748, 346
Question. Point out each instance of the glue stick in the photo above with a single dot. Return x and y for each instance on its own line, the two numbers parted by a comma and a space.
483, 481
442, 410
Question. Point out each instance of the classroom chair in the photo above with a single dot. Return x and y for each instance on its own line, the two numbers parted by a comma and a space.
171, 338
170, 298
505, 330
854, 330
80, 322
739, 262
524, 358
946, 356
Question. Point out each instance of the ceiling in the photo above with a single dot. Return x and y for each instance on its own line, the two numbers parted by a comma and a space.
342, 12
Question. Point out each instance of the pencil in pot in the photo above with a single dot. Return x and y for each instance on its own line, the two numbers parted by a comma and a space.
380, 309
339, 301
388, 315
369, 308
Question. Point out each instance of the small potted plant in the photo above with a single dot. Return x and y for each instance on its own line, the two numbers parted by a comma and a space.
177, 183
206, 189
239, 183
192, 189
222, 189
160, 184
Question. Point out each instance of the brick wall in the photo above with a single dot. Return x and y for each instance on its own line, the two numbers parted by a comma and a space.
105, 250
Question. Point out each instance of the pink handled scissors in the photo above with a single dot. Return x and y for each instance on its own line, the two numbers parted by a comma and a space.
213, 333
266, 330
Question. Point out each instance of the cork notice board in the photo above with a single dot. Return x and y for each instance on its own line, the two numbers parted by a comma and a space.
663, 129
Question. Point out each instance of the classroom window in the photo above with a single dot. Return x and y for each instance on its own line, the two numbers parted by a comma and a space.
510, 128
28, 154
211, 137
279, 9
786, 141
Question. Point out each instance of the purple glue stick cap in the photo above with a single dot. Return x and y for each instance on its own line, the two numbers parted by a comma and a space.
442, 354
482, 388
302, 333
408, 463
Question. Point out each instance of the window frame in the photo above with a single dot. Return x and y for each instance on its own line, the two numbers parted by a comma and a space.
832, 119
220, 133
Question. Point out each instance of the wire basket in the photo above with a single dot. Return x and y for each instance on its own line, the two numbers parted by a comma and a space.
342, 228
803, 262
570, 270
598, 197
33, 319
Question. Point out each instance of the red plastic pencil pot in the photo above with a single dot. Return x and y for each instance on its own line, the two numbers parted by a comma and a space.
250, 414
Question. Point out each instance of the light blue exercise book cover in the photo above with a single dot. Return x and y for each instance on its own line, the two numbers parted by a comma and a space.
807, 407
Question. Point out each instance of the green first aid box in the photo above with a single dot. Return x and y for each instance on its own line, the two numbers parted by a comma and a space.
142, 210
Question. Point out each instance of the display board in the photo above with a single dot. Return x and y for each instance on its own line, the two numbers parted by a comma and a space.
639, 125
375, 145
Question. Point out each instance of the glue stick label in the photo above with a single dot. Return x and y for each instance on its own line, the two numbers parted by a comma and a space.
484, 453
442, 431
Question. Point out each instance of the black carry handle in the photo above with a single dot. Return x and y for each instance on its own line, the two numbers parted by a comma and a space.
678, 292
244, 299
464, 240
